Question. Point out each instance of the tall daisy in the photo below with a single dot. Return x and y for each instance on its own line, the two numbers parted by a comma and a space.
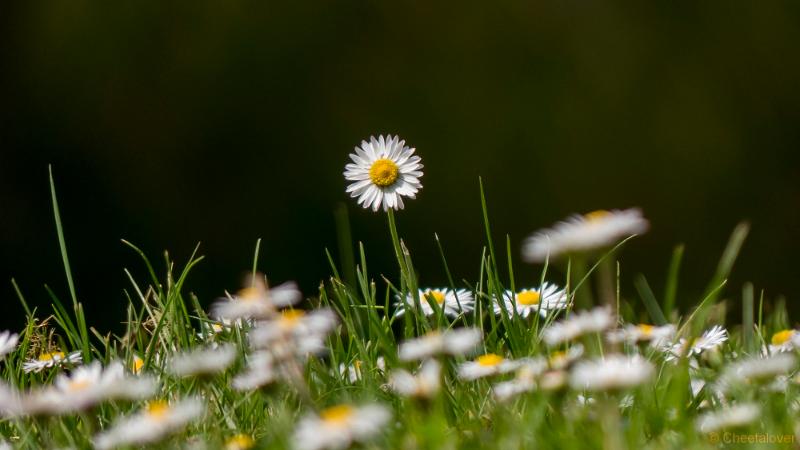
543, 300
383, 171
256, 301
581, 233
340, 426
578, 324
453, 303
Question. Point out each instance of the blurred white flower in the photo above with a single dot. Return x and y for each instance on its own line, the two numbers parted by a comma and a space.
734, 416
658, 336
458, 341
51, 359
303, 331
453, 303
203, 361
524, 381
784, 341
756, 369
425, 384
561, 360
486, 365
8, 343
259, 372
256, 301
383, 171
340, 426
581, 233
610, 373
157, 421
578, 324
549, 298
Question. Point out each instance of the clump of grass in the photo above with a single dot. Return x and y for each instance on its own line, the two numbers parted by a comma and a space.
325, 370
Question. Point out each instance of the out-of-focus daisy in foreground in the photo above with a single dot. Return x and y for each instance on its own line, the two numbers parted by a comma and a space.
563, 359
524, 381
383, 171
157, 421
453, 303
581, 233
751, 370
459, 341
425, 384
89, 385
203, 361
256, 301
709, 340
8, 343
486, 365
734, 416
51, 359
784, 341
578, 324
549, 298
340, 426
259, 372
294, 331
658, 336
611, 373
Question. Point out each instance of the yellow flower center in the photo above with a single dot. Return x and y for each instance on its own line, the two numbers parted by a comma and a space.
438, 296
216, 328
290, 317
489, 360
645, 329
596, 216
138, 363
157, 409
781, 337
383, 172
528, 298
51, 356
239, 442
249, 294
337, 415
557, 357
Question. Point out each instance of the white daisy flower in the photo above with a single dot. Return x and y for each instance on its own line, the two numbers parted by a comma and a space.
340, 426
584, 233
709, 340
549, 298
486, 365
12, 402
87, 386
756, 369
578, 324
383, 171
51, 359
735, 416
203, 361
631, 334
561, 360
459, 341
524, 381
305, 328
611, 372
425, 384
256, 302
157, 421
259, 372
8, 343
454, 303
784, 341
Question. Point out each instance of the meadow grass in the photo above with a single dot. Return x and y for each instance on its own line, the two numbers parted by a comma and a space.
661, 412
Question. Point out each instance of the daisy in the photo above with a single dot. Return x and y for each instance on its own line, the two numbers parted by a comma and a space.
383, 171
157, 421
8, 343
239, 442
87, 386
734, 416
51, 359
256, 301
259, 372
709, 340
304, 330
486, 365
784, 341
524, 381
578, 324
425, 384
203, 361
610, 373
756, 369
340, 426
453, 303
549, 298
459, 341
584, 233
631, 334
561, 360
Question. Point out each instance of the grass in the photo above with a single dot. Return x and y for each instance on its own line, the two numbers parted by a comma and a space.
659, 414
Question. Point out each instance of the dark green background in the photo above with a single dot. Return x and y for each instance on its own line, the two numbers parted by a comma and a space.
172, 123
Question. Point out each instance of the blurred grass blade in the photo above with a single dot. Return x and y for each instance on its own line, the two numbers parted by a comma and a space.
728, 258
671, 289
62, 244
748, 300
650, 302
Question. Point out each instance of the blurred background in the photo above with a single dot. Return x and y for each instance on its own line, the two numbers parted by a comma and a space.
170, 124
